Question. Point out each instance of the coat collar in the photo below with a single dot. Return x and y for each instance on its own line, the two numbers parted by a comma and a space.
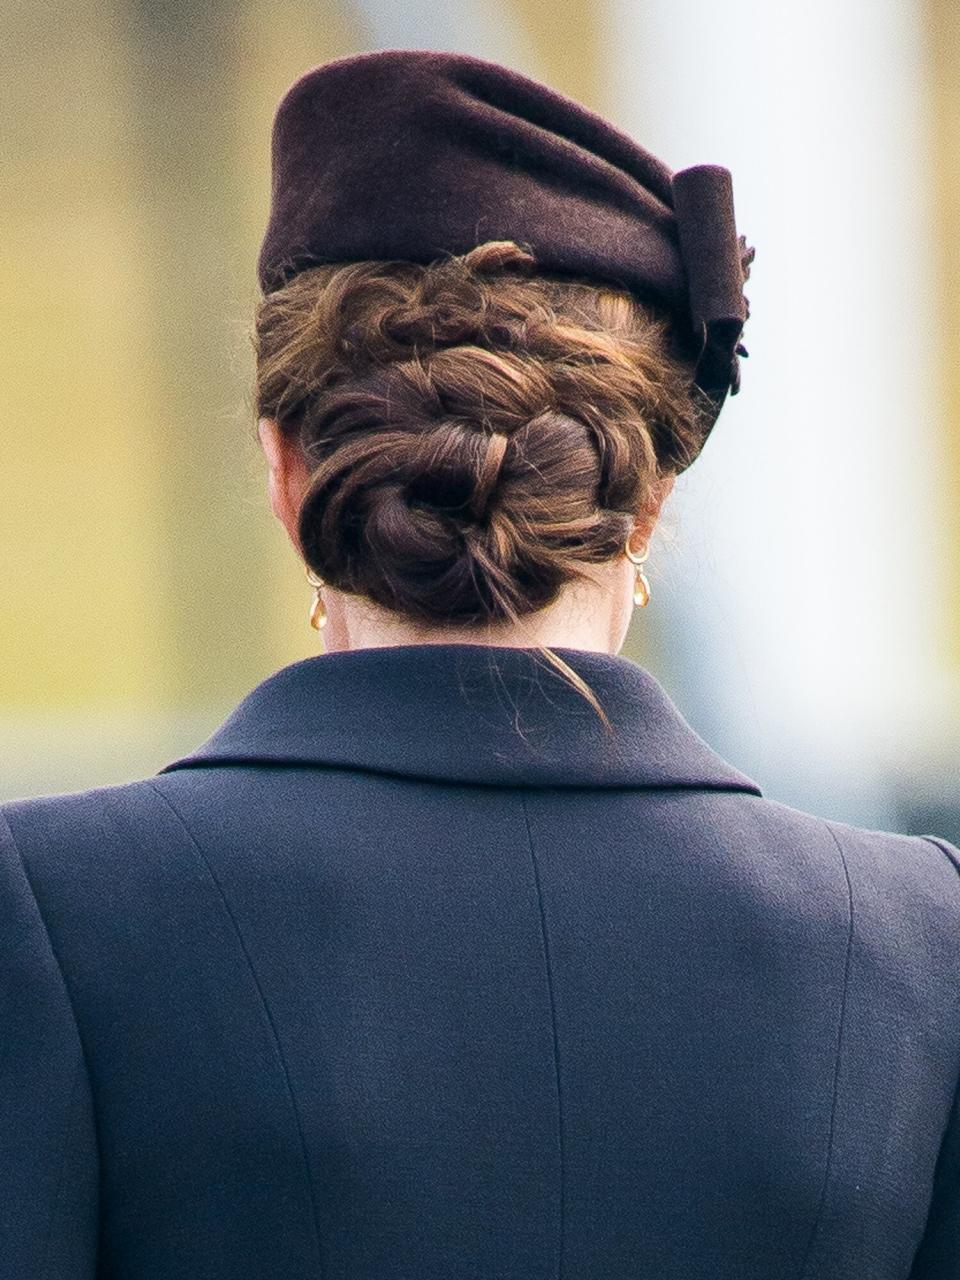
469, 713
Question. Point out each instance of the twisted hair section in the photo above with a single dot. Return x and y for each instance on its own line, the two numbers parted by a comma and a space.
477, 433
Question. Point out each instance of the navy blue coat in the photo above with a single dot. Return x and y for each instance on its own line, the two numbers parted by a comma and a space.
410, 973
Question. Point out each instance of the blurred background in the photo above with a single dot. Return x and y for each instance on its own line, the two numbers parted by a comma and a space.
805, 611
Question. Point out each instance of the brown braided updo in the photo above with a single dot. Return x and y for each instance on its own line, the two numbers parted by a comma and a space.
477, 433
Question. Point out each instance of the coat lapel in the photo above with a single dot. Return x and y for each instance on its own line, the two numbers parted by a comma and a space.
467, 713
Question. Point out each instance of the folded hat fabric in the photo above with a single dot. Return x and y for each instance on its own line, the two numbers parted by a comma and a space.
414, 154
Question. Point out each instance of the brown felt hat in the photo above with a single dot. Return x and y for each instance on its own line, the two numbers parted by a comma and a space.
413, 155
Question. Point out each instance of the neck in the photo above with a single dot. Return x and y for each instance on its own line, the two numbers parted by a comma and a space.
592, 616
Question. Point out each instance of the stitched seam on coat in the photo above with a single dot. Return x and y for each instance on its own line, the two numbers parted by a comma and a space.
952, 1118
266, 1008
82, 1067
71, 1127
836, 1070
553, 1022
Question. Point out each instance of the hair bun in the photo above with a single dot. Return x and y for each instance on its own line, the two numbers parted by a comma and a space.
489, 473
477, 435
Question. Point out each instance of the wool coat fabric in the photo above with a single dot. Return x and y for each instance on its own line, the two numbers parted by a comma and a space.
414, 972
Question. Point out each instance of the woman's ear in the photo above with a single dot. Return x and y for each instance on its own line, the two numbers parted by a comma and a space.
289, 475
648, 517
663, 487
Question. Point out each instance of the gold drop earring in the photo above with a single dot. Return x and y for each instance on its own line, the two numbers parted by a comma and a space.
318, 612
641, 588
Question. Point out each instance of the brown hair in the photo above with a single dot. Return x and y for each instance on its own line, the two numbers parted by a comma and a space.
477, 433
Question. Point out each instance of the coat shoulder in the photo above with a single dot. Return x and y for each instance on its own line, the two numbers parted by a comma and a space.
73, 840
902, 890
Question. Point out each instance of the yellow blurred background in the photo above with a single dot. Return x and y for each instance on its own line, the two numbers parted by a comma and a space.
146, 587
